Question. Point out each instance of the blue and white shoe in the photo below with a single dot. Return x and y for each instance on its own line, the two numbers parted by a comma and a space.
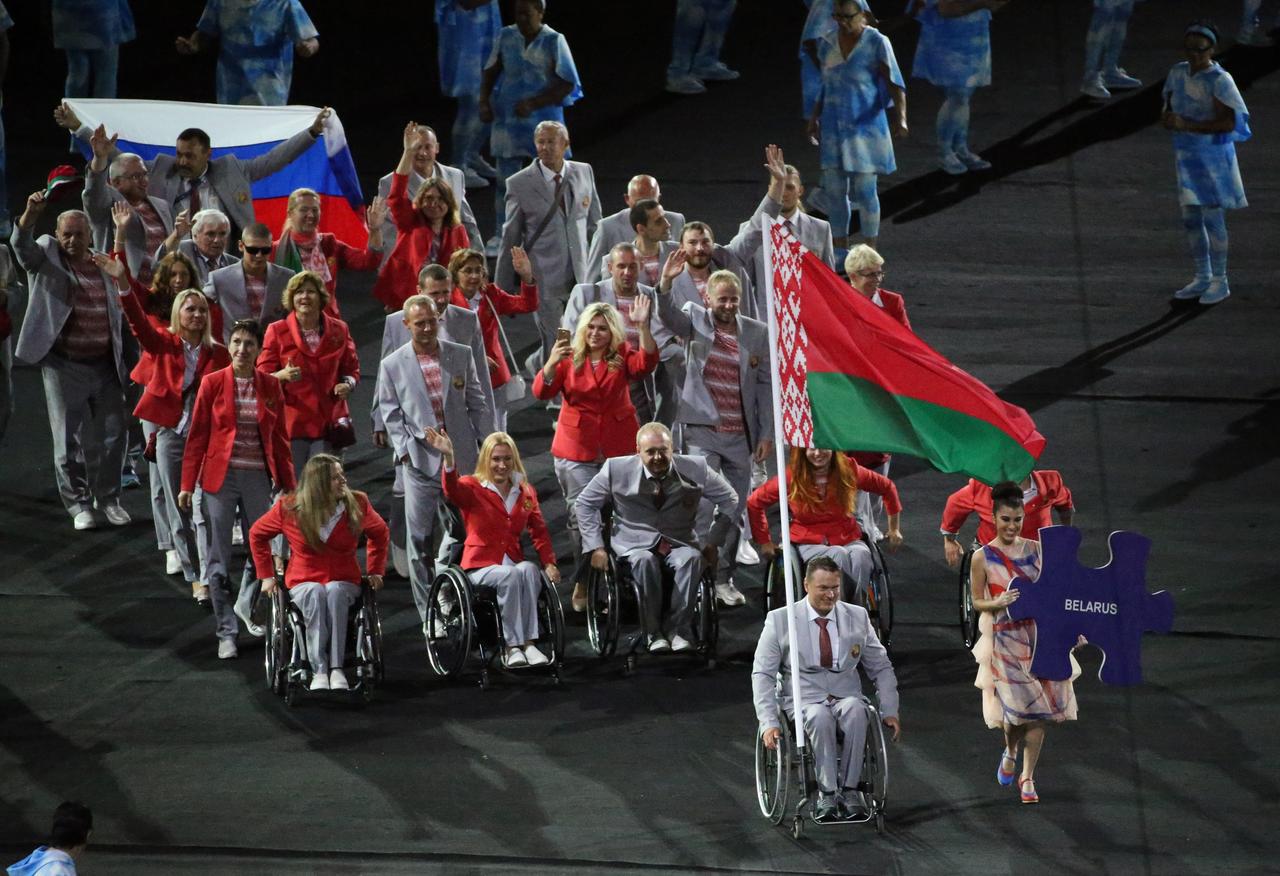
1193, 290
1217, 292
1118, 80
951, 163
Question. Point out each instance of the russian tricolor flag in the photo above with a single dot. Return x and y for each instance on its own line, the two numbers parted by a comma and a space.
149, 127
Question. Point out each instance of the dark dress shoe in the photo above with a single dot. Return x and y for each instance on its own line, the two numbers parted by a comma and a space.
827, 809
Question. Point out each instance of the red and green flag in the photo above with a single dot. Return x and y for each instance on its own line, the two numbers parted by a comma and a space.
853, 378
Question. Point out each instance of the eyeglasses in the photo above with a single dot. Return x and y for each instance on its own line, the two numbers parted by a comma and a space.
133, 177
256, 250
867, 275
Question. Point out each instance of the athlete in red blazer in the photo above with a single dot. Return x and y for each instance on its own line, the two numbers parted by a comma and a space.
975, 496
491, 532
213, 431
414, 239
161, 401
826, 524
309, 401
337, 255
334, 560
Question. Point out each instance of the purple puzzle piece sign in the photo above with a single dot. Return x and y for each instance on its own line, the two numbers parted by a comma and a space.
1109, 606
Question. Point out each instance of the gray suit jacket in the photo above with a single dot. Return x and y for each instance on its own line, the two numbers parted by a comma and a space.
51, 289
559, 255
771, 671
456, 180
637, 524
203, 270
226, 287
616, 229
99, 197
228, 176
460, 326
811, 231
407, 412
696, 325
585, 294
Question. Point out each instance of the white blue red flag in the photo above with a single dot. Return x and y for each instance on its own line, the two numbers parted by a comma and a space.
149, 127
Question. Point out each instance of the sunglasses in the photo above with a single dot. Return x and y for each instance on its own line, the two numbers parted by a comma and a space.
257, 250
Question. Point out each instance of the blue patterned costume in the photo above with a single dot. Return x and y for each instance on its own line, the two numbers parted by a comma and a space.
955, 55
527, 71
255, 50
466, 39
855, 143
698, 35
818, 23
90, 32
1105, 39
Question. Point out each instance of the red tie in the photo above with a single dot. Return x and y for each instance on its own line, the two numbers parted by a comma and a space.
193, 203
824, 642
559, 193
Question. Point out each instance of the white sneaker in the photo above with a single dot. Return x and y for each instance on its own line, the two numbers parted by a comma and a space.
237, 534
534, 657
473, 180
972, 160
491, 246
115, 515
1254, 36
951, 163
84, 520
1218, 291
227, 649
514, 658
728, 594
320, 681
680, 643
658, 645
1120, 80
338, 680
747, 555
255, 630
717, 72
685, 84
1094, 87
482, 167
1193, 290
400, 560
172, 565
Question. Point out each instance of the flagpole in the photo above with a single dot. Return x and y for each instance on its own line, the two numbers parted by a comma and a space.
780, 457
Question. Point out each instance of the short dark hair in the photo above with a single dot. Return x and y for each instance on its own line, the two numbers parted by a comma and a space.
697, 226
257, 230
640, 212
72, 822
198, 135
1006, 494
433, 271
251, 326
820, 564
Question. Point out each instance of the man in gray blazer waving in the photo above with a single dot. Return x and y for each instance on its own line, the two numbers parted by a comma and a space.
124, 179
552, 211
655, 497
834, 639
429, 383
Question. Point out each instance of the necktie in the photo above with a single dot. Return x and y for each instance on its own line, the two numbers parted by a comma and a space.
824, 642
659, 495
193, 198
787, 225
559, 192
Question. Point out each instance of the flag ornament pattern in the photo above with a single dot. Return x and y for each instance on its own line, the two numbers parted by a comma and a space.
853, 378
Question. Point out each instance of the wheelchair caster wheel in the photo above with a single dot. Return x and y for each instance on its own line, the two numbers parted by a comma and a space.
291, 694
879, 822
711, 663
630, 666
484, 679
797, 827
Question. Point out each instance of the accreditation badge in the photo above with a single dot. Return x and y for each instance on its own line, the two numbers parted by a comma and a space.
458, 382
855, 651
754, 361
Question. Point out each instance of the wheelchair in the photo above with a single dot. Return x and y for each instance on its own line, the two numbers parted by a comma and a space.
614, 595
779, 769
287, 668
877, 598
968, 615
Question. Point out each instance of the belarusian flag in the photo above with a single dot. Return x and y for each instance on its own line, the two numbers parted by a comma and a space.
853, 378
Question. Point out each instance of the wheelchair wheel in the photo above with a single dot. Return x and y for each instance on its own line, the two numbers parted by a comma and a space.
604, 610
968, 616
551, 621
449, 621
875, 767
878, 597
773, 776
369, 641
279, 645
448, 522
775, 585
706, 619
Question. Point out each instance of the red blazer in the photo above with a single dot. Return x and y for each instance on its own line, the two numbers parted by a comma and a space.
894, 306
504, 303
309, 401
334, 560
213, 432
975, 496
597, 419
141, 372
161, 401
827, 524
491, 532
399, 277
338, 255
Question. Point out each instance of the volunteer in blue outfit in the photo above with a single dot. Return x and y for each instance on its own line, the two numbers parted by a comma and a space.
90, 32
954, 53
697, 36
817, 23
1102, 71
860, 81
1204, 110
72, 824
256, 42
467, 30
530, 78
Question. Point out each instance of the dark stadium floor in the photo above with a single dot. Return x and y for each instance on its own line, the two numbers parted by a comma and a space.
1048, 278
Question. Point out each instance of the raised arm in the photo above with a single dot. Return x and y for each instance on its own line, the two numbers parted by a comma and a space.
270, 162
673, 317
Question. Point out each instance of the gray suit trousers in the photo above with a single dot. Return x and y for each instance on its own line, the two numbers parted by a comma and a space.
646, 568
729, 454
821, 722
182, 524
245, 496
159, 510
421, 496
87, 419
573, 478
326, 608
517, 590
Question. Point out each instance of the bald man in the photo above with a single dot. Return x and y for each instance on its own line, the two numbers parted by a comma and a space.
616, 228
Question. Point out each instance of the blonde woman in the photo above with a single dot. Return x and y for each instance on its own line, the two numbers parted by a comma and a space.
181, 355
323, 521
498, 505
593, 373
